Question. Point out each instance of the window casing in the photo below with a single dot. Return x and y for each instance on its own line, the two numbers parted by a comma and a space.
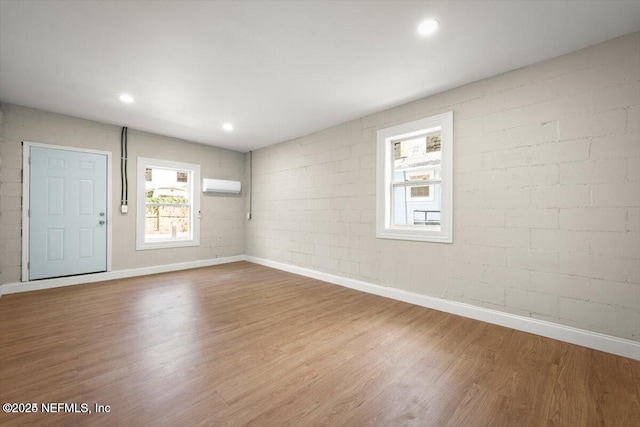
168, 204
414, 192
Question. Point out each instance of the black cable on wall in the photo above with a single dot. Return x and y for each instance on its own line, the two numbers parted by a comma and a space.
126, 166
124, 181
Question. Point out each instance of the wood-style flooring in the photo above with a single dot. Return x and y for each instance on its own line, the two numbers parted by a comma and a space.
241, 344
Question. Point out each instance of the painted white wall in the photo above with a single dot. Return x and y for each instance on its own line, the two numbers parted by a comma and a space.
222, 223
546, 195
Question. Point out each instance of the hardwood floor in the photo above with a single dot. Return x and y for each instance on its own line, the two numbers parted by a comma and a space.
242, 344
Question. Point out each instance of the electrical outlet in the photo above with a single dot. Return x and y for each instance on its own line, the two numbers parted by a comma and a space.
248, 215
124, 209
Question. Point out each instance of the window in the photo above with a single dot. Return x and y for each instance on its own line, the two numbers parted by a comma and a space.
168, 204
415, 180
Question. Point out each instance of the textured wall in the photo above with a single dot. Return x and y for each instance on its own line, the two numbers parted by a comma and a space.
546, 195
222, 223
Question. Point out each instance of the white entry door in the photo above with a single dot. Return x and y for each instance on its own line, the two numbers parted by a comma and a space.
67, 213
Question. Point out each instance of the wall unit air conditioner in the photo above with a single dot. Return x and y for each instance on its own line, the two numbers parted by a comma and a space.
220, 186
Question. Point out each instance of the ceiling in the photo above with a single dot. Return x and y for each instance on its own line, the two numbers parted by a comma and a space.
275, 69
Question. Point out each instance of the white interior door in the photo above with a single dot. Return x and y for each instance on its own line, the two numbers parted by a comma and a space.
67, 213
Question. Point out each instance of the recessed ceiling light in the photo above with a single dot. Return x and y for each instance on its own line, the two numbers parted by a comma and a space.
126, 98
428, 27
228, 127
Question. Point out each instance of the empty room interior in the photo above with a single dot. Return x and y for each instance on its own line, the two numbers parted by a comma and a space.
320, 213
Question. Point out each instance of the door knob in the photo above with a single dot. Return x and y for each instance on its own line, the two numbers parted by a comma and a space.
102, 222
101, 213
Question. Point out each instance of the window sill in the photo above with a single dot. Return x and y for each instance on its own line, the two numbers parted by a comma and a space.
415, 235
166, 244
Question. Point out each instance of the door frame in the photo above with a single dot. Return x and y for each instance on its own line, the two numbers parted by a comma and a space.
26, 170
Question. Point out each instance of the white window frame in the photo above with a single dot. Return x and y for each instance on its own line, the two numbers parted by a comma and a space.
194, 198
384, 185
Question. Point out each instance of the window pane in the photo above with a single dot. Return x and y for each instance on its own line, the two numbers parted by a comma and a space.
165, 186
167, 205
417, 159
166, 222
417, 205
415, 154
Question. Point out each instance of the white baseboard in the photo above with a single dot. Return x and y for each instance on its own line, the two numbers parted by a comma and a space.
35, 285
594, 340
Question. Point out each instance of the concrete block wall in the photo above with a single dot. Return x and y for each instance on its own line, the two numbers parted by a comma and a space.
222, 223
546, 195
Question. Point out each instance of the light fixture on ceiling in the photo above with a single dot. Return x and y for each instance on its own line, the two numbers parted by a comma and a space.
428, 27
126, 98
227, 127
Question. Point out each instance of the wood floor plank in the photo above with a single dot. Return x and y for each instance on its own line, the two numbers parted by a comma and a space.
242, 344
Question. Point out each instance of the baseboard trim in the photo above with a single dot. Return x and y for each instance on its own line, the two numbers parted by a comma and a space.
36, 285
594, 340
